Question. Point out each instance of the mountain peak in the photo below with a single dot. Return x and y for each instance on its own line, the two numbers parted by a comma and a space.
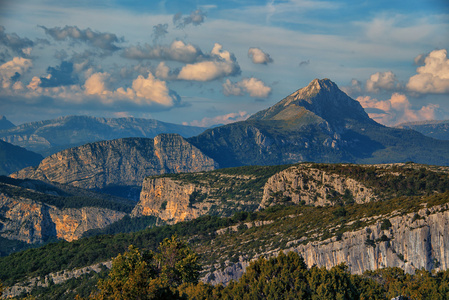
322, 98
5, 123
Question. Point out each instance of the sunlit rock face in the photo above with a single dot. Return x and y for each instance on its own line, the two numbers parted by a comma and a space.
33, 222
121, 162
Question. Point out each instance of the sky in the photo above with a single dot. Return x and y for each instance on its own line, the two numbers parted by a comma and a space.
205, 63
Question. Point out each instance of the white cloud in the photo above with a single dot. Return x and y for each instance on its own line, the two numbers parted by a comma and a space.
396, 110
96, 84
177, 51
259, 57
222, 64
433, 76
149, 90
382, 81
253, 86
11, 71
152, 90
220, 120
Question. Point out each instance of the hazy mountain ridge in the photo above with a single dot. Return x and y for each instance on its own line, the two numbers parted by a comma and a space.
435, 129
50, 136
14, 158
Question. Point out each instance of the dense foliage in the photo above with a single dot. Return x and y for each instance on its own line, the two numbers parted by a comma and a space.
140, 274
125, 225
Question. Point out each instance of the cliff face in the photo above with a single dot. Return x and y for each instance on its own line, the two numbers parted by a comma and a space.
175, 200
166, 199
119, 162
34, 222
413, 241
314, 187
180, 197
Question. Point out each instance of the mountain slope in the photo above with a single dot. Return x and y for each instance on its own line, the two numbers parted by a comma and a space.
435, 129
14, 158
317, 123
121, 162
50, 136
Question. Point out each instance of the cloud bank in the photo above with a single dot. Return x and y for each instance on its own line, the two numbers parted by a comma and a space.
396, 110
101, 40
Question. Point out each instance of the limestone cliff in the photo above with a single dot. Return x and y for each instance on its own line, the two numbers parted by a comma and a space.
180, 197
314, 187
412, 241
121, 162
34, 222
166, 199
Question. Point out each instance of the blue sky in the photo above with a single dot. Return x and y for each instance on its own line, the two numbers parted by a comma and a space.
213, 62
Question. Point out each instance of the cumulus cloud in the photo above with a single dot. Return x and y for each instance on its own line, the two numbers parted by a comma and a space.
144, 90
195, 18
253, 86
18, 46
396, 110
60, 75
221, 63
102, 40
258, 56
220, 120
12, 70
382, 81
177, 51
433, 76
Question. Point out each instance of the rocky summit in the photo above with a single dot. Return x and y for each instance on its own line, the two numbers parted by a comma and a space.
317, 123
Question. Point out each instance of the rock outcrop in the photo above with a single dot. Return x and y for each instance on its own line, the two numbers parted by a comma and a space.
166, 199
313, 187
122, 162
412, 241
34, 222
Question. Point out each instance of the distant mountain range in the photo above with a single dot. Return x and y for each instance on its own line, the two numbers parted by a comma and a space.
50, 136
435, 129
